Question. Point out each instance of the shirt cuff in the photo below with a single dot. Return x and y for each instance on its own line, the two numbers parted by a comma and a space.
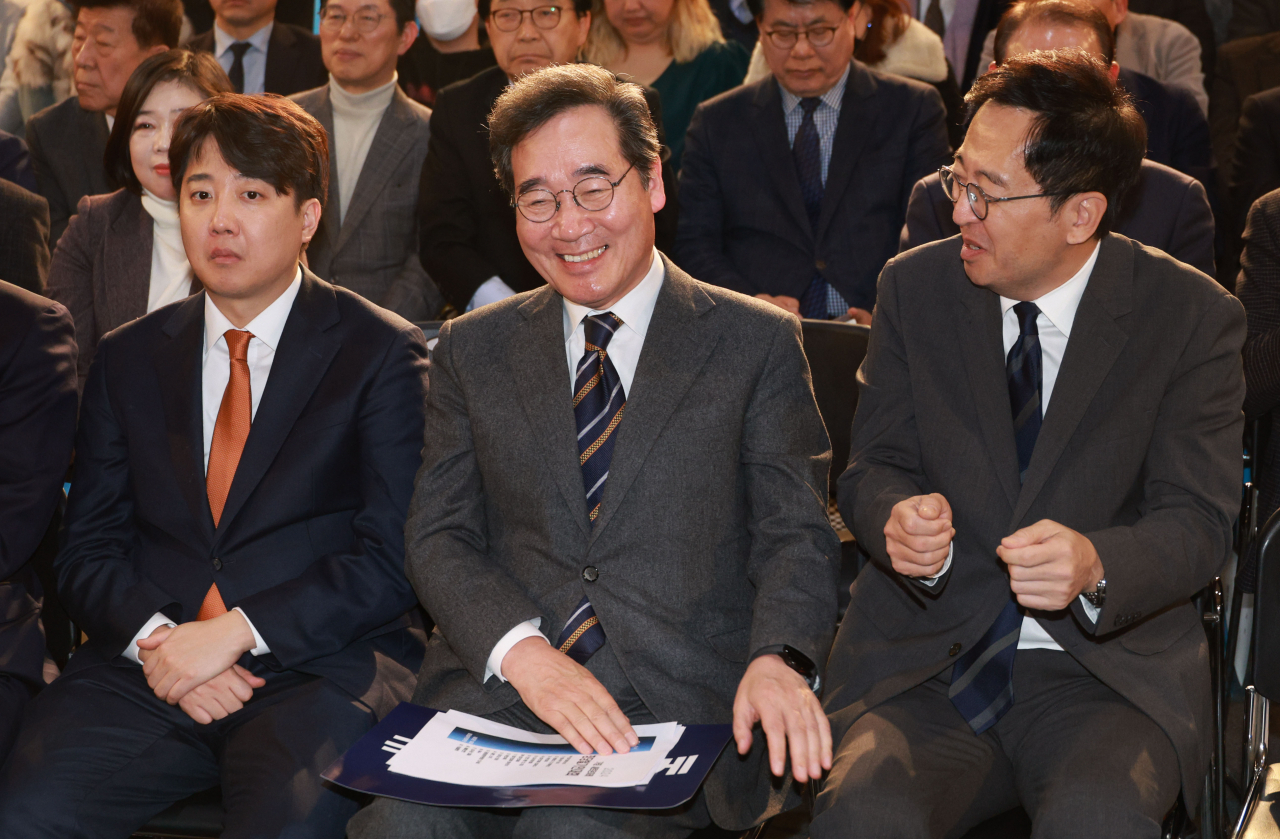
946, 566
521, 631
259, 646
490, 291
1090, 610
157, 620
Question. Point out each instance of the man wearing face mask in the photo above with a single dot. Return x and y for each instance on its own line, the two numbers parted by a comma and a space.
448, 49
467, 235
379, 138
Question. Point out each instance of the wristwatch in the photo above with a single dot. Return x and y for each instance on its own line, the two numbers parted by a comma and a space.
1098, 596
803, 665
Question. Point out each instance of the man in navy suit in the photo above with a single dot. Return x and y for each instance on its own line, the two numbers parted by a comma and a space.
793, 189
233, 541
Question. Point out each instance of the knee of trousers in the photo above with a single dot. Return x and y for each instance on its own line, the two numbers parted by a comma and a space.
1093, 810
841, 813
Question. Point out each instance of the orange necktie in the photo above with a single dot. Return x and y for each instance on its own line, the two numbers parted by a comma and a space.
229, 433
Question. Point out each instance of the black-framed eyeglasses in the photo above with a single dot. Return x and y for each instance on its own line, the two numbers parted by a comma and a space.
818, 36
543, 17
365, 19
592, 194
979, 201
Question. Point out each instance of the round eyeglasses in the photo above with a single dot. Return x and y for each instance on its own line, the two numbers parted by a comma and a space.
979, 201
543, 17
592, 194
818, 36
365, 19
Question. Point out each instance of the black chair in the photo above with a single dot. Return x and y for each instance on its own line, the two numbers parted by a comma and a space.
835, 351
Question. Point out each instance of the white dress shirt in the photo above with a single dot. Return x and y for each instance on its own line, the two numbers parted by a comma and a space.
1057, 314
255, 58
215, 372
635, 310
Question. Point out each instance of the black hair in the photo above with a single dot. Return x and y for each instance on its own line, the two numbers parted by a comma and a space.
154, 21
757, 6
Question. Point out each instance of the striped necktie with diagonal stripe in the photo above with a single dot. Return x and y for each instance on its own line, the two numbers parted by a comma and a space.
982, 679
598, 405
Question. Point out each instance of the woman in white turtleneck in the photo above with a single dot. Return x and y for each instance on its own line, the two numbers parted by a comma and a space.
122, 255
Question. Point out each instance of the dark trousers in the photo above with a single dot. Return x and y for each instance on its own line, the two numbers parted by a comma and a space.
392, 819
1076, 755
14, 693
99, 755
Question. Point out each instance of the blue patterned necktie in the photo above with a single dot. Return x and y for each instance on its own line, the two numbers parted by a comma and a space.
982, 679
582, 634
806, 150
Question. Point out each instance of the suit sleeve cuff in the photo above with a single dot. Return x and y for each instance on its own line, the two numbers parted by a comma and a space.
946, 566
521, 631
157, 620
259, 646
1090, 610
490, 291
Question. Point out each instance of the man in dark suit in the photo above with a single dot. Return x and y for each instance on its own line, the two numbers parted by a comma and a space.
1044, 468
68, 140
689, 535
379, 137
1259, 290
24, 238
260, 53
1245, 67
794, 188
37, 426
1255, 161
233, 549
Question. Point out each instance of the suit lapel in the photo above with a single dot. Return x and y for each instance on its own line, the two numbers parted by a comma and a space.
541, 373
857, 125
128, 257
278, 71
981, 342
770, 130
1095, 344
676, 348
391, 142
306, 349
178, 369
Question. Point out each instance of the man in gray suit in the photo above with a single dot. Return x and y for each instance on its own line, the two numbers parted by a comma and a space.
678, 558
1024, 634
379, 139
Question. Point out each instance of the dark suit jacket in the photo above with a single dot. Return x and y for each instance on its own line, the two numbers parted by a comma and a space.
374, 250
1245, 67
15, 162
1259, 290
294, 63
1177, 132
37, 426
984, 20
102, 268
24, 238
1139, 451
743, 223
67, 145
711, 542
1166, 210
734, 29
468, 228
309, 543
1255, 164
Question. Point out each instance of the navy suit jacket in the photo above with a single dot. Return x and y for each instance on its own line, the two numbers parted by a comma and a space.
1166, 210
743, 223
310, 543
294, 63
1177, 131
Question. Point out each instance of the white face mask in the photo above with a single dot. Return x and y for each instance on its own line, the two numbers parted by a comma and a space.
445, 20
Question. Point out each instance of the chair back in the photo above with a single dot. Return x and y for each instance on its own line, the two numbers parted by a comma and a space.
835, 351
1266, 614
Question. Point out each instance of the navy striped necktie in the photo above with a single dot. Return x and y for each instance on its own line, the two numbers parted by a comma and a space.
982, 679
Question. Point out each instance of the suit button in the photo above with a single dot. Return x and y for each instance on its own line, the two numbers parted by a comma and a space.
590, 574
954, 651
217, 564
821, 265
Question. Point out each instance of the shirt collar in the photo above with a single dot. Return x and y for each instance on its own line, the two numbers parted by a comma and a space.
267, 327
635, 309
222, 41
1060, 305
832, 98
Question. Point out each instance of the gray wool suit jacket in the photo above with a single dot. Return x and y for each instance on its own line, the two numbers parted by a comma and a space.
712, 541
1139, 451
67, 144
374, 250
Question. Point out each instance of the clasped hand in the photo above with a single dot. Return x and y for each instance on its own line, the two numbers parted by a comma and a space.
194, 666
1049, 564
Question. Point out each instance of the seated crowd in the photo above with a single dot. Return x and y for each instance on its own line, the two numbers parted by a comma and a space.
286, 512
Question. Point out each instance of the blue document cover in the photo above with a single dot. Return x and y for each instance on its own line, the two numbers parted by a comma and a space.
364, 769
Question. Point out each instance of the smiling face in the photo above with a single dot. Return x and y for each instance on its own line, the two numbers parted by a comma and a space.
530, 48
151, 132
105, 54
806, 70
640, 21
591, 258
363, 61
242, 237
